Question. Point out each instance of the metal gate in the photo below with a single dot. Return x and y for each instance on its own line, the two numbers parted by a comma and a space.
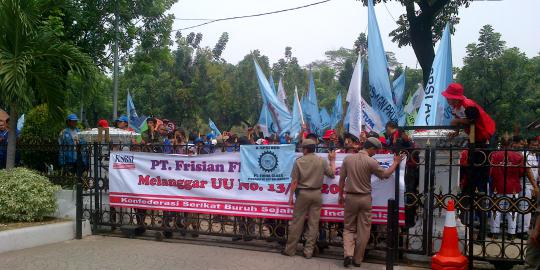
432, 178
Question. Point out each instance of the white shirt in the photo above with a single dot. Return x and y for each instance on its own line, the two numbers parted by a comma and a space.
532, 162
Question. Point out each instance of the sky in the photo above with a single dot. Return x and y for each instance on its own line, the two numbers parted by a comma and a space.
312, 31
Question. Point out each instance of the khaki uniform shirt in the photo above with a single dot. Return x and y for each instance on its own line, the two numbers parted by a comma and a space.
356, 170
309, 170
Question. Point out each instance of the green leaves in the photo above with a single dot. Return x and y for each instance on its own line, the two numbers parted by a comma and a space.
33, 60
25, 195
502, 80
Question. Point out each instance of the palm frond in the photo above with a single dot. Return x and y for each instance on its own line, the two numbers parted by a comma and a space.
34, 62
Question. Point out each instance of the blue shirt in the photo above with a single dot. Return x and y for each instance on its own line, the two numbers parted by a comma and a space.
3, 143
67, 141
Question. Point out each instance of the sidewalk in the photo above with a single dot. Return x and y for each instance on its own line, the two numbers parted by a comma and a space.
99, 252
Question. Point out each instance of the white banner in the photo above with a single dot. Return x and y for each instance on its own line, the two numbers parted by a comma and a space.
210, 184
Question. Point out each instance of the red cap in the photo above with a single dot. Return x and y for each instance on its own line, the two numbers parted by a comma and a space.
103, 123
328, 133
382, 140
454, 91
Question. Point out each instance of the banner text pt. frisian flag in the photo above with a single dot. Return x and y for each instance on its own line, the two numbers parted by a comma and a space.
210, 184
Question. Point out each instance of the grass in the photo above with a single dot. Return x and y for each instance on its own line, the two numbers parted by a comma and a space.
4, 226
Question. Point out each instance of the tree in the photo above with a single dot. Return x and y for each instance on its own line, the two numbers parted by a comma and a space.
91, 100
422, 25
247, 98
34, 61
361, 44
90, 25
503, 81
490, 45
337, 58
288, 53
293, 74
346, 73
393, 63
220, 46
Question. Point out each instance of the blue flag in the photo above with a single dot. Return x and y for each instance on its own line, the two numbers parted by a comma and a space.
326, 121
213, 127
398, 89
379, 82
276, 109
266, 164
304, 105
272, 84
435, 110
311, 112
281, 93
134, 120
337, 112
266, 122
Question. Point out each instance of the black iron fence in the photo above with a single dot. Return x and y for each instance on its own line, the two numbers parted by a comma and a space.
494, 210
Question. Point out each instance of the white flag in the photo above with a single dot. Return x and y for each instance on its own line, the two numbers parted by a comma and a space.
354, 98
281, 93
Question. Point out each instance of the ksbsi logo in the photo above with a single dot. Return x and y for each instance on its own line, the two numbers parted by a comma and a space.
123, 162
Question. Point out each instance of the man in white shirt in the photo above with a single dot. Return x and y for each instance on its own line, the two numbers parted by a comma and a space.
531, 159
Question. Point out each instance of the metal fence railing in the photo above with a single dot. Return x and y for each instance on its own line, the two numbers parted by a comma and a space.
493, 225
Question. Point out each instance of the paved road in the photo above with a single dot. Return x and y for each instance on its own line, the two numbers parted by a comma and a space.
99, 252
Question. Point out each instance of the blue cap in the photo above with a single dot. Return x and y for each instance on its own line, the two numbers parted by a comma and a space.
210, 136
72, 117
122, 118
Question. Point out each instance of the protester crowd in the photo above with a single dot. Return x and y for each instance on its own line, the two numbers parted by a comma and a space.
506, 168
502, 174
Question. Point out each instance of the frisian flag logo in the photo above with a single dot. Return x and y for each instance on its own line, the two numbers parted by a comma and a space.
123, 162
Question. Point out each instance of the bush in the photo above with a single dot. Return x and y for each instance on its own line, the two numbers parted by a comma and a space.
25, 195
40, 127
39, 139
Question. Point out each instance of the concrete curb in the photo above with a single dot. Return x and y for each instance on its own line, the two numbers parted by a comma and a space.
40, 235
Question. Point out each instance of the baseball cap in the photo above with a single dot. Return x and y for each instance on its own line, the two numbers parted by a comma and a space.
122, 118
328, 133
375, 142
308, 143
72, 117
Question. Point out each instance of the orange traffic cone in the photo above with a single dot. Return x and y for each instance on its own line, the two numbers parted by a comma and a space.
449, 256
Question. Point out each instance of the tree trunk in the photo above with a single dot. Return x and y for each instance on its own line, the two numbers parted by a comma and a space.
12, 137
421, 41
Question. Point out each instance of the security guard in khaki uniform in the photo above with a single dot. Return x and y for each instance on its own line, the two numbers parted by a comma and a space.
355, 182
307, 180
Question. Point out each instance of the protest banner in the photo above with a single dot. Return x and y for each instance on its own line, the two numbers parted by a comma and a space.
210, 184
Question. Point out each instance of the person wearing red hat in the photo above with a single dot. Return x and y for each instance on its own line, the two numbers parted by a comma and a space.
467, 112
331, 139
103, 123
384, 150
